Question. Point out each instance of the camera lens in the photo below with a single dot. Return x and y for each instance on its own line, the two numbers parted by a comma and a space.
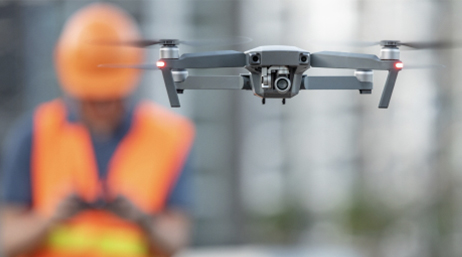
254, 58
304, 58
282, 84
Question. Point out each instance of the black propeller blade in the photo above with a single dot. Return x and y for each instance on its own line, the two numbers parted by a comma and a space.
146, 66
141, 43
217, 41
423, 66
418, 45
432, 45
198, 42
442, 44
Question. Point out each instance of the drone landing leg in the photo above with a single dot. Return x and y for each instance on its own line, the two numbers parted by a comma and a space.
171, 89
263, 100
388, 89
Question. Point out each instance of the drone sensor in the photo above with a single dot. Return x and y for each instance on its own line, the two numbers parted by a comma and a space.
255, 59
304, 58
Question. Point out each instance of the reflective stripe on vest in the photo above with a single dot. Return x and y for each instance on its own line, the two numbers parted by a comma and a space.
104, 239
143, 168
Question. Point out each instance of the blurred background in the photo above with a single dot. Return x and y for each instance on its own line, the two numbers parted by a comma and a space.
328, 174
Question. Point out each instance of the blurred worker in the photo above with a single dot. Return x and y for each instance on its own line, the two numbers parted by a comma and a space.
94, 174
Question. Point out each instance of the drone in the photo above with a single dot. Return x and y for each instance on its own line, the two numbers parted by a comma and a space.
275, 71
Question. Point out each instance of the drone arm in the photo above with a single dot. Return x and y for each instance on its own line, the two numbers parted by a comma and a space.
218, 59
213, 82
360, 62
388, 89
171, 89
339, 82
340, 60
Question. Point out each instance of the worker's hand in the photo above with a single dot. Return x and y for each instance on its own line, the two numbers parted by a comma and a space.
124, 208
67, 208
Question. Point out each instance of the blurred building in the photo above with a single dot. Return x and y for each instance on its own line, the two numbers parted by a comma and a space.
328, 169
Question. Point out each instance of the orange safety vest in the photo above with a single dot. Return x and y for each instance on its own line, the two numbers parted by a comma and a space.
144, 168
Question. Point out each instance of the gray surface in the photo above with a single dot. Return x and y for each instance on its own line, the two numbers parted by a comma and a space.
170, 86
217, 59
388, 89
341, 60
339, 82
212, 82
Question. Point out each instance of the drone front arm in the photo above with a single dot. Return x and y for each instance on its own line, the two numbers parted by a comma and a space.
340, 60
360, 62
170, 86
218, 59
388, 89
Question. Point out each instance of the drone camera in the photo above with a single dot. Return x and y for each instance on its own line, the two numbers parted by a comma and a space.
304, 58
282, 84
255, 59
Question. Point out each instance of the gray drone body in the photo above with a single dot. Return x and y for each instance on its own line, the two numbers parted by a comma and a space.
275, 71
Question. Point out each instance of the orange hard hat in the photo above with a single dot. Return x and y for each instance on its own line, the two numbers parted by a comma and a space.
90, 38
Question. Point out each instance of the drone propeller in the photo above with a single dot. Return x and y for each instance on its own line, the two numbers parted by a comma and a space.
424, 66
145, 42
432, 45
198, 42
418, 45
146, 66
218, 41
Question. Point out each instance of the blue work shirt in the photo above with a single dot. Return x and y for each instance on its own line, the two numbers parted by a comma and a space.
17, 150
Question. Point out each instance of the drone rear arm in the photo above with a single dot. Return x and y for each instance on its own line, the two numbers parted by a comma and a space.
339, 82
214, 82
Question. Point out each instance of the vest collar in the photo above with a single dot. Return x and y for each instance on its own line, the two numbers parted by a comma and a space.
73, 114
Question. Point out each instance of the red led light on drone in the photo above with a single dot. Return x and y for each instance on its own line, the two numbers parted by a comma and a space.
399, 65
160, 64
